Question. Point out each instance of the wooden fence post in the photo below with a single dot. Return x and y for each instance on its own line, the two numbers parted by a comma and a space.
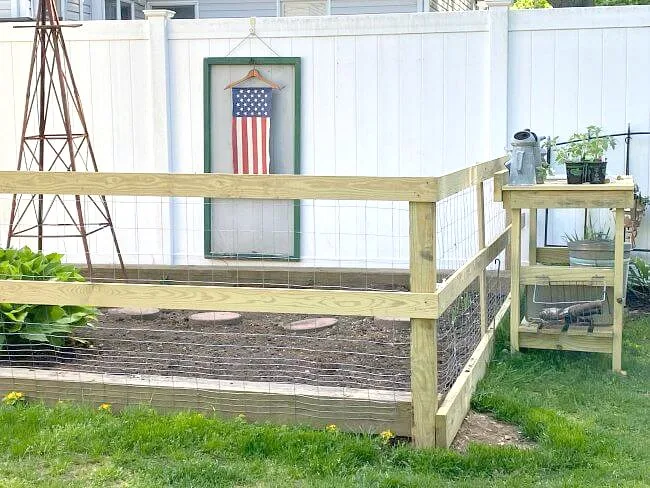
480, 217
619, 296
424, 370
515, 265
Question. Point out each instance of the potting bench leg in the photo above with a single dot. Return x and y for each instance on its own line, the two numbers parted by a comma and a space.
619, 291
515, 263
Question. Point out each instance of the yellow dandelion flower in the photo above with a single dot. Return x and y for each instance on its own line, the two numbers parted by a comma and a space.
386, 436
104, 407
332, 428
13, 397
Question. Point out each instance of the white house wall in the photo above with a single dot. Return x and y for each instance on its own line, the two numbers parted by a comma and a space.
237, 8
5, 9
347, 7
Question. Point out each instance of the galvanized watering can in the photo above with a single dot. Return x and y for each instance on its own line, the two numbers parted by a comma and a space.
526, 156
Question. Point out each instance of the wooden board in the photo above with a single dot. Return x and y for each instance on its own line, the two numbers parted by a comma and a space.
218, 298
464, 276
214, 185
267, 274
466, 177
351, 409
553, 255
592, 198
515, 266
424, 372
619, 294
273, 187
456, 404
542, 275
574, 339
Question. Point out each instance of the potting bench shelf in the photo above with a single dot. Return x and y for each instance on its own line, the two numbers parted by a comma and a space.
549, 267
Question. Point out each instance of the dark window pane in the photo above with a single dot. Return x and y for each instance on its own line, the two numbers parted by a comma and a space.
125, 11
182, 11
110, 11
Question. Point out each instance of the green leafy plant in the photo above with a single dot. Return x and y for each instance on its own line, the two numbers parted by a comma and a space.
585, 146
638, 281
50, 324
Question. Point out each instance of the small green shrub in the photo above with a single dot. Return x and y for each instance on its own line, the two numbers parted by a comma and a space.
638, 281
50, 324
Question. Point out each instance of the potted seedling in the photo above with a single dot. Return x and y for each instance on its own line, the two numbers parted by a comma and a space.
584, 158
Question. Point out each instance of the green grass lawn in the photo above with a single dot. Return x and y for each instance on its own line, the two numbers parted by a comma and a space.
593, 430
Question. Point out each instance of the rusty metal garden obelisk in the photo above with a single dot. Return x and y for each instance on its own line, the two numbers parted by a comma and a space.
55, 138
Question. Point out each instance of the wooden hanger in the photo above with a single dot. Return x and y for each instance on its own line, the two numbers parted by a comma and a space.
254, 74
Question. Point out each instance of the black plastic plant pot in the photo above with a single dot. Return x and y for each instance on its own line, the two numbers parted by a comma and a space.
595, 172
575, 173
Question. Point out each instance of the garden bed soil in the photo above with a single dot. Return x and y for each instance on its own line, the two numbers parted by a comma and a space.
356, 352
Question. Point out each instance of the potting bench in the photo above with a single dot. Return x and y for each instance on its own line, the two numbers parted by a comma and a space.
550, 264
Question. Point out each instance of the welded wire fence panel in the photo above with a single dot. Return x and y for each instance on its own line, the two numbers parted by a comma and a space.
312, 244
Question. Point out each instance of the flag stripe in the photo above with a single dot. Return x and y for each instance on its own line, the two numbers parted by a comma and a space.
240, 157
235, 156
251, 145
265, 160
244, 136
267, 151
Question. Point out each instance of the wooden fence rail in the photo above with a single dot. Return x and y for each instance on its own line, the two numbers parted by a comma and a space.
423, 304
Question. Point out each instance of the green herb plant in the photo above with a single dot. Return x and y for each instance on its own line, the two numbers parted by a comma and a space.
585, 146
49, 324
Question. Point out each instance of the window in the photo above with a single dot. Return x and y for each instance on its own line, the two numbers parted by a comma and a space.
297, 8
182, 9
119, 10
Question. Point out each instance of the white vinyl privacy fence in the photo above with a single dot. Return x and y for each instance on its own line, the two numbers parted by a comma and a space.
385, 95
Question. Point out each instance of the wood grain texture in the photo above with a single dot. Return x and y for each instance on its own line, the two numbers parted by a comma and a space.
219, 298
351, 409
424, 371
584, 199
532, 237
553, 255
457, 402
542, 275
515, 266
464, 276
619, 294
500, 180
574, 339
214, 185
464, 178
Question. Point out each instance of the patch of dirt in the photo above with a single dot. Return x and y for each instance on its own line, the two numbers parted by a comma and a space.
357, 352
484, 429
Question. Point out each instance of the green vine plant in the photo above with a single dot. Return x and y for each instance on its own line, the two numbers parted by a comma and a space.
585, 146
47, 324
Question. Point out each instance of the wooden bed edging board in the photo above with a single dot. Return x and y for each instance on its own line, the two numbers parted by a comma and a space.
456, 404
350, 409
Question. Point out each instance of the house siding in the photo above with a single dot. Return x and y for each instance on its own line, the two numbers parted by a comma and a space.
5, 9
233, 8
351, 7
72, 10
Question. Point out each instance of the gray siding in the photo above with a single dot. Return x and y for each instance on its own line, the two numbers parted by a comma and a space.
237, 8
72, 10
345, 7
449, 5
5, 9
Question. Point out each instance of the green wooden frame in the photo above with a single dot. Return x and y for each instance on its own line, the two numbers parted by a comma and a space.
207, 151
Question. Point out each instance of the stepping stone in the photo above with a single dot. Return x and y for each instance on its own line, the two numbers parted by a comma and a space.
219, 318
135, 313
314, 323
393, 322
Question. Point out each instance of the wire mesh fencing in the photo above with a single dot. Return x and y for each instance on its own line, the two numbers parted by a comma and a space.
205, 357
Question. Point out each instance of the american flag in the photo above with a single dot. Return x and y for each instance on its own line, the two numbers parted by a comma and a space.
251, 129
